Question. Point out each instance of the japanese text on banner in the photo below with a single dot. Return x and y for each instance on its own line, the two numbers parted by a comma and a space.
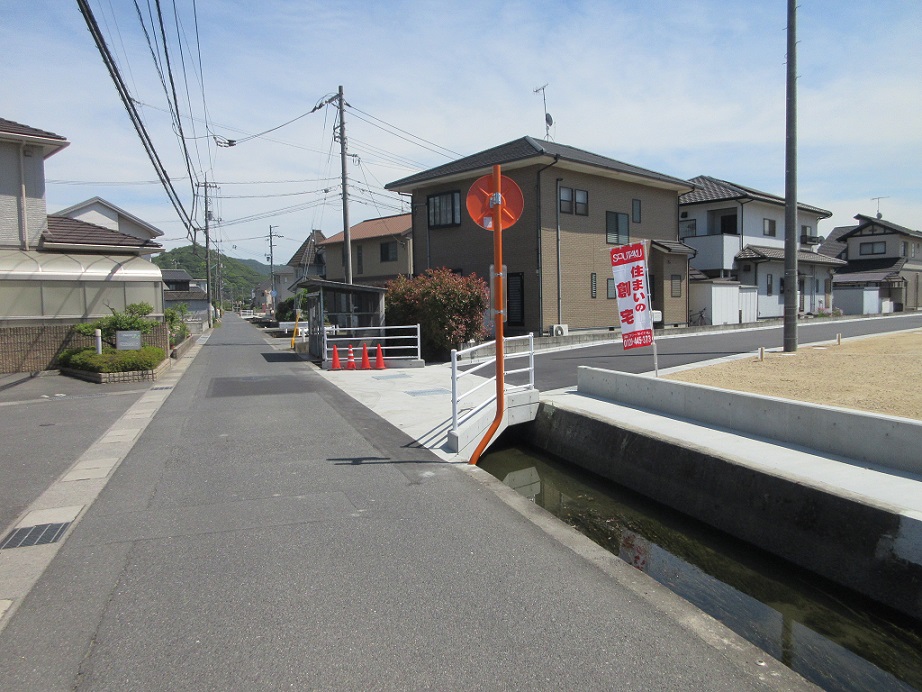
629, 266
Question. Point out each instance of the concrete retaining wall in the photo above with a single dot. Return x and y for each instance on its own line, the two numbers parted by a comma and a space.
873, 550
852, 434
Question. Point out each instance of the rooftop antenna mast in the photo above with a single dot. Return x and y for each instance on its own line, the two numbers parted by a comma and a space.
548, 120
879, 215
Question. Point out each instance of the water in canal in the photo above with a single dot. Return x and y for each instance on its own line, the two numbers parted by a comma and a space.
831, 636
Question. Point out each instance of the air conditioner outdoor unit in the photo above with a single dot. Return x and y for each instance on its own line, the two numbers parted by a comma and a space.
559, 330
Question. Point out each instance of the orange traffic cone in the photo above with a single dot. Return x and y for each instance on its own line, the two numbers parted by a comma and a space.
365, 364
335, 365
350, 364
379, 359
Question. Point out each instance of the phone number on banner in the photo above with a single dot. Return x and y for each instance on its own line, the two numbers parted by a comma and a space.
640, 338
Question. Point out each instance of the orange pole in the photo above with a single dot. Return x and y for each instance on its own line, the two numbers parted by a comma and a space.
498, 282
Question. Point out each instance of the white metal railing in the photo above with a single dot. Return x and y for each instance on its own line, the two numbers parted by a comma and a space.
343, 337
246, 314
457, 397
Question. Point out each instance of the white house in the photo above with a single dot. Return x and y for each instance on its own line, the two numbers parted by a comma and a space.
56, 269
739, 233
103, 213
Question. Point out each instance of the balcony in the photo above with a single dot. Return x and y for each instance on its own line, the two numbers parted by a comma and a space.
714, 252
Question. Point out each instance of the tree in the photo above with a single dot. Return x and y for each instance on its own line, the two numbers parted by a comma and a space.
449, 308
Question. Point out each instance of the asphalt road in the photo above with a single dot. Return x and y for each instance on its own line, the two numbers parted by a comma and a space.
558, 369
45, 424
266, 531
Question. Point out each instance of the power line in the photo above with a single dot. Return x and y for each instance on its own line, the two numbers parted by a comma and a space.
132, 113
405, 132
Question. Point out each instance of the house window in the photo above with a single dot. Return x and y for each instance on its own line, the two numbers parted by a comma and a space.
612, 291
616, 228
566, 200
688, 227
722, 222
593, 285
389, 251
904, 249
635, 210
444, 209
768, 227
582, 202
769, 285
878, 247
676, 281
806, 230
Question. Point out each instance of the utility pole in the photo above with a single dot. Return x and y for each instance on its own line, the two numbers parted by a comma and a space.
208, 294
790, 189
272, 291
347, 244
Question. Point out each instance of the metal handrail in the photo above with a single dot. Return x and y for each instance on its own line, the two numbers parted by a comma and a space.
456, 377
412, 329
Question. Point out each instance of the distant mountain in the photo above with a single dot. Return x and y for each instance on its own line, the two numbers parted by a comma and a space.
238, 277
256, 265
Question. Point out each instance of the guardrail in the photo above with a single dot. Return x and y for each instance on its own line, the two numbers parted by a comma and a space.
456, 376
388, 337
246, 314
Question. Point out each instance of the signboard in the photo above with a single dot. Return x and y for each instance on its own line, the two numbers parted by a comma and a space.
128, 340
629, 266
480, 205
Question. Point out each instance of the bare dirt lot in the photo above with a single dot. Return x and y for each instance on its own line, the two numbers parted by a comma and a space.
881, 374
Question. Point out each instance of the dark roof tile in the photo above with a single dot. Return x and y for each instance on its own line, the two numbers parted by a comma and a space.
63, 230
710, 189
14, 128
527, 148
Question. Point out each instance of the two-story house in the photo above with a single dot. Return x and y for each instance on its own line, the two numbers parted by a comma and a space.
884, 270
739, 234
382, 249
178, 290
578, 205
103, 213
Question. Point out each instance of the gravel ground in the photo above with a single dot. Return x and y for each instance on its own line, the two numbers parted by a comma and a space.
881, 374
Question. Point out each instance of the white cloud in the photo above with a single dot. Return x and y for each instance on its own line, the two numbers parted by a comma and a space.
684, 88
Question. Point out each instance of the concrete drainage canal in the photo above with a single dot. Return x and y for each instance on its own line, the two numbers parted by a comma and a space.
831, 636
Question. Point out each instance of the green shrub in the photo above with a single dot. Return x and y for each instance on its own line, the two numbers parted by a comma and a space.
176, 321
111, 360
130, 320
449, 308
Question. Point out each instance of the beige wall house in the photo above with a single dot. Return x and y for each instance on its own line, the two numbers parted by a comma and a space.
578, 205
382, 249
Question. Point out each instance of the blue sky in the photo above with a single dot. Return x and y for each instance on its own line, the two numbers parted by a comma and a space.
681, 88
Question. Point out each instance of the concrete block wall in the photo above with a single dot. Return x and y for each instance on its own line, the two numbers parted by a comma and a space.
31, 349
873, 550
883, 440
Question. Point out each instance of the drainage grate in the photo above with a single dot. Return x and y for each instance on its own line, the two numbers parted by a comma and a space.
428, 392
42, 534
160, 389
395, 376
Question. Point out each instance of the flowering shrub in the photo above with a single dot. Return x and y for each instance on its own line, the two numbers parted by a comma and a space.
449, 308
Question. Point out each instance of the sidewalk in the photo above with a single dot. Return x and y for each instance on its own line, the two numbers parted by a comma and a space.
267, 531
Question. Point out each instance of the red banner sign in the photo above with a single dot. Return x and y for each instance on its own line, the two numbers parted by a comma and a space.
629, 267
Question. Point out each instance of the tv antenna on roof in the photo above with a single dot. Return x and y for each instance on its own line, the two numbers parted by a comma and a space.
879, 215
548, 120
